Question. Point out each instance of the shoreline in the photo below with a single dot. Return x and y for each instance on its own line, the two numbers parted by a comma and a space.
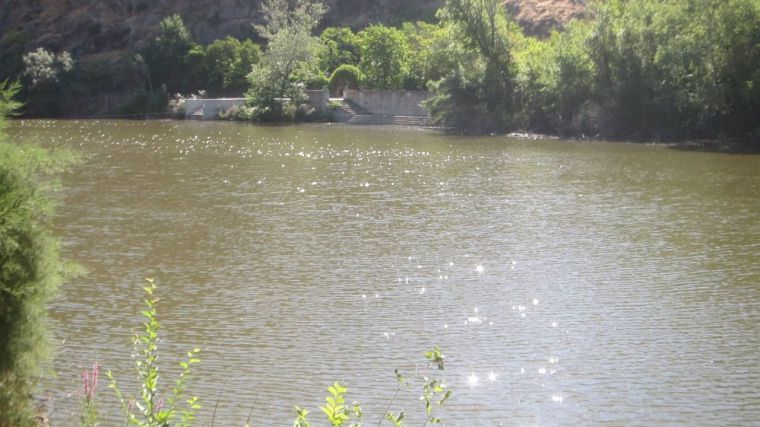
717, 145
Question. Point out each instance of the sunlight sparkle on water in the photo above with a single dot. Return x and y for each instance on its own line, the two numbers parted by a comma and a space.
472, 380
492, 376
479, 268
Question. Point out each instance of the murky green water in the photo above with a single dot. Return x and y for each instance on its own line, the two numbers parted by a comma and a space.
567, 283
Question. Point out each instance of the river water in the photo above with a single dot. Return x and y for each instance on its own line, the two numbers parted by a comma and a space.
567, 283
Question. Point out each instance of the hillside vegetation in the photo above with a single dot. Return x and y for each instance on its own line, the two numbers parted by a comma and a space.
87, 27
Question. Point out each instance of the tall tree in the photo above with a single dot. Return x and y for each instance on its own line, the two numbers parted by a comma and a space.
166, 54
477, 95
384, 54
290, 45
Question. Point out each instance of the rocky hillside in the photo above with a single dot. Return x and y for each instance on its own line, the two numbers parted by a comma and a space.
86, 27
538, 17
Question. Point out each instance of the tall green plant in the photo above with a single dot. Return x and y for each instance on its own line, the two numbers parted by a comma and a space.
148, 408
434, 393
31, 269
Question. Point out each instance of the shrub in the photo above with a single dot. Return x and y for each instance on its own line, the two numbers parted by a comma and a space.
344, 77
31, 269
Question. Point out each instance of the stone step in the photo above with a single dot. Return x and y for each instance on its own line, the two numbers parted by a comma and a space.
372, 119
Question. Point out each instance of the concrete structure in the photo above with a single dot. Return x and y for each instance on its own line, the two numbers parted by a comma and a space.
209, 109
389, 102
319, 99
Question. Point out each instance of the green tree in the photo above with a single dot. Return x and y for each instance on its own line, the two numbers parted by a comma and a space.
45, 76
166, 54
428, 57
339, 46
478, 94
554, 82
384, 55
31, 269
43, 68
290, 45
227, 62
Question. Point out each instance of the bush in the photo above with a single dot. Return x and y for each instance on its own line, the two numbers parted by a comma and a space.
31, 269
344, 77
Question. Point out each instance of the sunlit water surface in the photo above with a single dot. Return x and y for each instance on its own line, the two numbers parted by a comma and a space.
567, 283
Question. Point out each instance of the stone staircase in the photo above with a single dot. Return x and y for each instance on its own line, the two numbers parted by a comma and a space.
357, 115
374, 119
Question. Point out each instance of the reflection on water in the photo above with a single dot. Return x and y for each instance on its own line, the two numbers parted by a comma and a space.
567, 283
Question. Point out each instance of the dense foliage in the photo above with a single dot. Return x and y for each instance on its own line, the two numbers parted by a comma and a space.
639, 68
30, 267
221, 67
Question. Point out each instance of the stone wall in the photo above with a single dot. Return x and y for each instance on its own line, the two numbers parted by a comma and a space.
318, 99
390, 102
212, 107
